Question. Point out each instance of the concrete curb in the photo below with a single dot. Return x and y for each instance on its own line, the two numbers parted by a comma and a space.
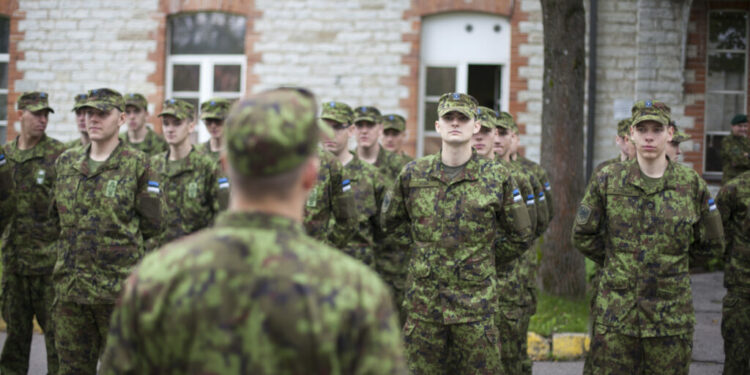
562, 346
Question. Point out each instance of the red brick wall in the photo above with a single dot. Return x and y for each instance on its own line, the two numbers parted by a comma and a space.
422, 8
10, 9
170, 7
697, 38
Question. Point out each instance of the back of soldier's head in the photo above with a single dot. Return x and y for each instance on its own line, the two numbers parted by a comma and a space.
269, 137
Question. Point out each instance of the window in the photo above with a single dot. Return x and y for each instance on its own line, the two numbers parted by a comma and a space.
726, 81
4, 42
475, 62
206, 58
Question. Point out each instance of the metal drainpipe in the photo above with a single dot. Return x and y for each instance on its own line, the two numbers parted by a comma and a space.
592, 90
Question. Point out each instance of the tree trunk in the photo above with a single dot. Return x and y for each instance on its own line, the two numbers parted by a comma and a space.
562, 268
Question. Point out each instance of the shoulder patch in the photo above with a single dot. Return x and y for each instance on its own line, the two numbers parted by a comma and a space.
583, 215
223, 183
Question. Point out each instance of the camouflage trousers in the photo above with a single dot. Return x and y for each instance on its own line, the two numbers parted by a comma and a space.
81, 335
24, 296
468, 348
614, 354
508, 320
362, 252
735, 329
587, 363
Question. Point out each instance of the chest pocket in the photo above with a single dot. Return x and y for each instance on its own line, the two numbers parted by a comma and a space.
679, 216
474, 214
424, 209
623, 211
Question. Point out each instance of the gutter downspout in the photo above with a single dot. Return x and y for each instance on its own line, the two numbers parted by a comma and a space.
590, 126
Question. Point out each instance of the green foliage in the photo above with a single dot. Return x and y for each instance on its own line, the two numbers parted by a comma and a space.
559, 314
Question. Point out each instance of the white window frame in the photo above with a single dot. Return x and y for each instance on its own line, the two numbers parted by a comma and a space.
5, 58
710, 51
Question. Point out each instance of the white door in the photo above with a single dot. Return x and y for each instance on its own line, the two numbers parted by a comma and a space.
461, 52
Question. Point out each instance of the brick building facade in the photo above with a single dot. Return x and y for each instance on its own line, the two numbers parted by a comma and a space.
378, 52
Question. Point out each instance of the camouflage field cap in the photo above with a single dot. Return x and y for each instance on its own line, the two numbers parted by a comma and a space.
650, 110
365, 113
394, 121
80, 100
623, 127
177, 108
680, 136
271, 132
105, 99
459, 102
506, 121
137, 100
336, 111
488, 117
34, 101
215, 108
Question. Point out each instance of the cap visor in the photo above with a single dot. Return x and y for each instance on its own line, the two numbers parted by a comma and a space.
365, 118
656, 118
462, 111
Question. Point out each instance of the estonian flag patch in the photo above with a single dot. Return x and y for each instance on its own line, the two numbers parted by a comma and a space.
711, 205
541, 196
530, 200
153, 187
223, 183
347, 185
2, 159
516, 196
547, 186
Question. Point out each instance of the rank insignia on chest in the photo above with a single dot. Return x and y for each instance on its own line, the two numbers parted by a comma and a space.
40, 176
192, 190
2, 159
109, 192
347, 185
312, 199
153, 187
223, 183
516, 196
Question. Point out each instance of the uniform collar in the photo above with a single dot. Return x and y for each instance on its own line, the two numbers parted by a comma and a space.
184, 165
38, 151
112, 162
635, 177
469, 173
257, 220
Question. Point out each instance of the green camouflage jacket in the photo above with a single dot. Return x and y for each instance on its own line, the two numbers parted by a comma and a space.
644, 237
367, 188
153, 143
73, 143
734, 156
455, 231
205, 148
105, 217
541, 175
389, 164
733, 201
7, 186
253, 295
329, 204
25, 243
191, 188
605, 163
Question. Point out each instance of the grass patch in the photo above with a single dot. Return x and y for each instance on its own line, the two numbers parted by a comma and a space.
559, 314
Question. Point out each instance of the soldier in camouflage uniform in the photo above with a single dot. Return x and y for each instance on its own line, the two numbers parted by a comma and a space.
627, 152
457, 214
735, 149
673, 146
271, 300
190, 181
362, 179
394, 135
27, 254
733, 202
139, 136
83, 140
368, 127
7, 206
518, 278
108, 204
213, 113
642, 220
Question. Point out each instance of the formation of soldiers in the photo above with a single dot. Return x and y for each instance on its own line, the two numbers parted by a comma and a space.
275, 248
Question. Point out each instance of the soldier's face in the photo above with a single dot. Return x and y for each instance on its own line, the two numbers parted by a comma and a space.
515, 141
483, 141
740, 129
136, 117
626, 147
340, 140
103, 125
650, 138
367, 133
33, 124
456, 128
673, 151
176, 131
503, 142
81, 120
393, 140
215, 127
